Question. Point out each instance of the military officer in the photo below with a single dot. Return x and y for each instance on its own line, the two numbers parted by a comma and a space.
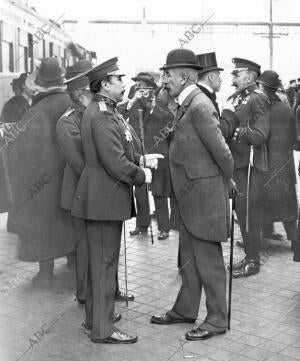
201, 165
104, 195
245, 124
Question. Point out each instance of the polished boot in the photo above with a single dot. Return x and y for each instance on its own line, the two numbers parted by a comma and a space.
163, 235
121, 297
139, 231
239, 264
251, 268
117, 337
166, 319
198, 334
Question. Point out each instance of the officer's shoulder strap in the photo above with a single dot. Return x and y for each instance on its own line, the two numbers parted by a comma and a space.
68, 112
102, 106
258, 91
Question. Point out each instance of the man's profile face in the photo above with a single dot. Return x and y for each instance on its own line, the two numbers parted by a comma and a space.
216, 81
240, 79
115, 88
172, 81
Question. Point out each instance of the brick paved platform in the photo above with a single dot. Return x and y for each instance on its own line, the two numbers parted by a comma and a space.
265, 310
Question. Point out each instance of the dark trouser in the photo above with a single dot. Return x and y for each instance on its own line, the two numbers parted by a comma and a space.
46, 268
252, 239
291, 230
174, 217
202, 267
81, 257
104, 238
142, 208
162, 213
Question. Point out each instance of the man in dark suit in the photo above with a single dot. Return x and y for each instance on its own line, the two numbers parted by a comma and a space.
104, 195
245, 125
201, 166
209, 80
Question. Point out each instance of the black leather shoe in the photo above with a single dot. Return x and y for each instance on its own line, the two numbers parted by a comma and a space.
139, 231
238, 265
121, 297
198, 334
239, 244
250, 269
166, 319
117, 337
163, 235
80, 301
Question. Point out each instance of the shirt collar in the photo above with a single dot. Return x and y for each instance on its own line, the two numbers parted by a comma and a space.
185, 93
206, 86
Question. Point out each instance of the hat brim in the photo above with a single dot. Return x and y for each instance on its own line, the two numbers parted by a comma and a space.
147, 81
181, 65
208, 69
265, 84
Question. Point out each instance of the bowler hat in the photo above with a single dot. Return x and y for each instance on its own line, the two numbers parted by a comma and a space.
147, 78
241, 64
73, 81
208, 62
49, 71
181, 58
270, 79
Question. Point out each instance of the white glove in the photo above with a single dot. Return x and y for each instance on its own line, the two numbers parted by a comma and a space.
148, 175
151, 160
228, 105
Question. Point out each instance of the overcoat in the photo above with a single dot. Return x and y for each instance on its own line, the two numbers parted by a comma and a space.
68, 131
36, 165
104, 191
201, 166
280, 201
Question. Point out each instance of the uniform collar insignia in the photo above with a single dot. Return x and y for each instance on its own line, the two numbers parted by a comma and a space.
107, 100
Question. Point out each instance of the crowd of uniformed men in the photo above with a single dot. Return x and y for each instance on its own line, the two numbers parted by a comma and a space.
73, 148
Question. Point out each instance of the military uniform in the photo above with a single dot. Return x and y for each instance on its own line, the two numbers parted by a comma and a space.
245, 129
69, 138
104, 198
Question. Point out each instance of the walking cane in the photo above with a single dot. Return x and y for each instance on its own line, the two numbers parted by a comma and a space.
125, 262
231, 256
248, 188
141, 123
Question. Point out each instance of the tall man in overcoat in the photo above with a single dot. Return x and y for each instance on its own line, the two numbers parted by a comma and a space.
201, 166
44, 228
104, 195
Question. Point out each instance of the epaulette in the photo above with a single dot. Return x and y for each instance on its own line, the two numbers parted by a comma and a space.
258, 91
102, 106
69, 112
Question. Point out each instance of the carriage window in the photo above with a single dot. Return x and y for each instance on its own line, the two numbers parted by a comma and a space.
7, 57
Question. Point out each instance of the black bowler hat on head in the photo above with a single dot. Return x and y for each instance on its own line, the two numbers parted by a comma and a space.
244, 64
181, 58
208, 61
270, 79
146, 77
49, 71
74, 82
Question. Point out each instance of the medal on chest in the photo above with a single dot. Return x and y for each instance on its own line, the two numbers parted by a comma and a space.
127, 132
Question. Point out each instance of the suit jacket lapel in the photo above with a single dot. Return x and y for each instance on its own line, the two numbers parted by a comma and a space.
183, 107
